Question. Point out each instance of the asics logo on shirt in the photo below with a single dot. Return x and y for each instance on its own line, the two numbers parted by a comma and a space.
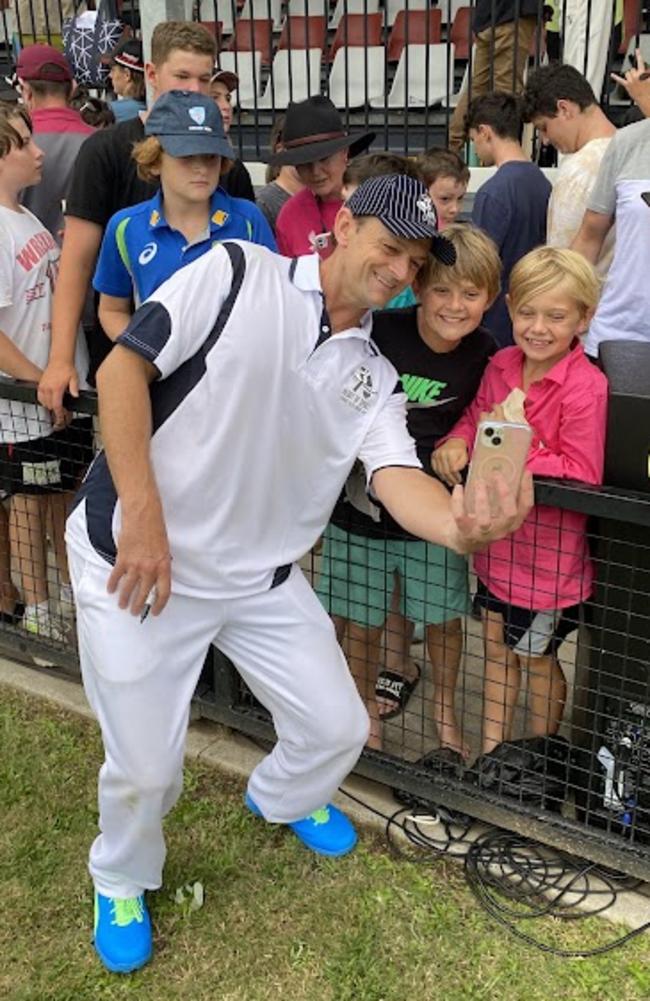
422, 392
148, 253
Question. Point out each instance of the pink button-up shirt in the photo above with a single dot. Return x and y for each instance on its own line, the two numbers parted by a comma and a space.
301, 219
545, 564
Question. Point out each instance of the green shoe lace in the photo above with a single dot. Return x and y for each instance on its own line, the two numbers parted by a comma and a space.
126, 911
321, 816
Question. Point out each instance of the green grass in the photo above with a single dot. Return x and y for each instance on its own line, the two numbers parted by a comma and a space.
277, 923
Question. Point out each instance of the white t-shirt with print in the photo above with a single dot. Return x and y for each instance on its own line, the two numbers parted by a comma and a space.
575, 181
29, 261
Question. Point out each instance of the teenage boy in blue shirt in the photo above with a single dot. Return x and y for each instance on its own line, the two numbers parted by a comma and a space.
186, 148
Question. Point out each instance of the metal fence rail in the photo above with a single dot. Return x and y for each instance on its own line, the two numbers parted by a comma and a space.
400, 67
585, 789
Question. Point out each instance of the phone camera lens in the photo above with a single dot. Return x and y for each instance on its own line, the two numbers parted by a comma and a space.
489, 432
496, 440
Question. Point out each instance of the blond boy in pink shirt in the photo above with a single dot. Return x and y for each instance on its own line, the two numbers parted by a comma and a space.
532, 584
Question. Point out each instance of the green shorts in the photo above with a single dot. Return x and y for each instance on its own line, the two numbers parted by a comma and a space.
357, 575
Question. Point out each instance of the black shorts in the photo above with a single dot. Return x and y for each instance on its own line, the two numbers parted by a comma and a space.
527, 632
49, 465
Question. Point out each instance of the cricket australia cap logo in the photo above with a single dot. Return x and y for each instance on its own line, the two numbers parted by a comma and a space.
359, 392
197, 114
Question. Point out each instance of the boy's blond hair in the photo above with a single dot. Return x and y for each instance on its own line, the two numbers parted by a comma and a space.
148, 156
551, 269
10, 137
185, 35
477, 261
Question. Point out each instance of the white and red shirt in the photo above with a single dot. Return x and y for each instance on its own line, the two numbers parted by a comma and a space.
29, 261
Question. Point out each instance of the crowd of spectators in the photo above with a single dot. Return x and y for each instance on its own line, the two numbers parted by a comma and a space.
110, 211
501, 322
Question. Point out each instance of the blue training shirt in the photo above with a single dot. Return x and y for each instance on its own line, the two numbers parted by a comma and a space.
140, 250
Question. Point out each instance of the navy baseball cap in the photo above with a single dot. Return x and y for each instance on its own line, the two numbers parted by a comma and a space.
404, 206
186, 124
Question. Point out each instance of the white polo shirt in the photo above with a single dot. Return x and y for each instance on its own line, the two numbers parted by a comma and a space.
258, 416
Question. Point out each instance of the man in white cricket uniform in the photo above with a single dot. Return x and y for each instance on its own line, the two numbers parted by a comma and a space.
233, 408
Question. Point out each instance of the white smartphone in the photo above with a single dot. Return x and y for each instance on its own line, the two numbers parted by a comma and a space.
500, 448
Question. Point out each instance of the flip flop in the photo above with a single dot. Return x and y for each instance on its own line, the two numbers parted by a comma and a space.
396, 688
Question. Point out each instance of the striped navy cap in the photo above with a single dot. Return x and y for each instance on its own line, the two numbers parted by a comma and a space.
404, 206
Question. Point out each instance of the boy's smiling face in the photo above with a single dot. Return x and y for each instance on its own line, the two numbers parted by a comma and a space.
450, 310
545, 326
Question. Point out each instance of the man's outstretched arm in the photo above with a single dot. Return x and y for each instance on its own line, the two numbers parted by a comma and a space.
143, 559
424, 507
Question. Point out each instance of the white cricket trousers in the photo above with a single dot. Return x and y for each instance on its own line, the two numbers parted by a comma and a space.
140, 678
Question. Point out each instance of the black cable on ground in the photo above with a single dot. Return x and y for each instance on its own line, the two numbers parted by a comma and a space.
503, 866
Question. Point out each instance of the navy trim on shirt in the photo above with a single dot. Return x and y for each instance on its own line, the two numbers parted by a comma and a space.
98, 488
169, 393
155, 323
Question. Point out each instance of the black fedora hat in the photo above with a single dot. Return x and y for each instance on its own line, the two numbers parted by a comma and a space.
313, 129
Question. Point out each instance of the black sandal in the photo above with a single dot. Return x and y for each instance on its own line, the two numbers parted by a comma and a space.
396, 688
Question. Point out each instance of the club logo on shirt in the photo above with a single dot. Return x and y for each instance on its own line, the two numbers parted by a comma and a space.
148, 253
359, 391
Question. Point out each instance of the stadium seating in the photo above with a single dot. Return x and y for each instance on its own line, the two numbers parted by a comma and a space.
461, 32
393, 7
357, 29
211, 11
262, 10
424, 77
303, 33
358, 75
254, 36
449, 9
346, 7
309, 8
248, 67
413, 27
295, 76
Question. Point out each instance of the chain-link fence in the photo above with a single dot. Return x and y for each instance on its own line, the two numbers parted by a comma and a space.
536, 722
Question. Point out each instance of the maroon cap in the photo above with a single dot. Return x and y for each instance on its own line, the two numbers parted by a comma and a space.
43, 62
230, 79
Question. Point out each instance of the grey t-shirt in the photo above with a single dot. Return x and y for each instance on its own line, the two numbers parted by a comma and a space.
624, 309
270, 199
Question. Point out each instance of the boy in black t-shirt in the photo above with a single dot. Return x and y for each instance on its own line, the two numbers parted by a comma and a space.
105, 180
439, 351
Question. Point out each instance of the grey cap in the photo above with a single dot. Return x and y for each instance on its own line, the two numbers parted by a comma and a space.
186, 123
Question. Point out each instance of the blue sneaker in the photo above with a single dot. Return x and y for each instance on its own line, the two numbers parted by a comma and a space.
326, 831
122, 933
